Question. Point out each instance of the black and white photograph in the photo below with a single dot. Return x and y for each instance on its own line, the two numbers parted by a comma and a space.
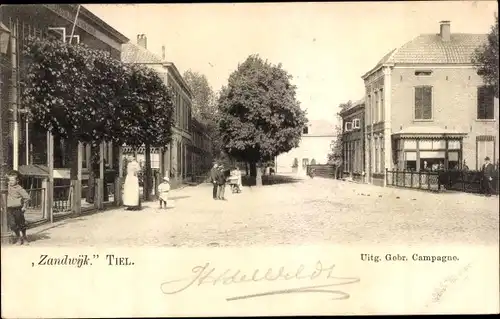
247, 159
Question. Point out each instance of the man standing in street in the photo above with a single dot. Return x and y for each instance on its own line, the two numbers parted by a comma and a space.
487, 176
221, 182
214, 173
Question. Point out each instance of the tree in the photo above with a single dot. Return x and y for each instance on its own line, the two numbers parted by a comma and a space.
203, 104
73, 92
335, 156
485, 58
260, 116
146, 115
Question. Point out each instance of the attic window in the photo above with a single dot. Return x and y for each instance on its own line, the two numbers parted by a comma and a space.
423, 73
305, 130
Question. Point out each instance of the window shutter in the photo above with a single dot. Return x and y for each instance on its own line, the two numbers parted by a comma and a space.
427, 103
418, 103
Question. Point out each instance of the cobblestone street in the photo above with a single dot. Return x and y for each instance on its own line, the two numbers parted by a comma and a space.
318, 211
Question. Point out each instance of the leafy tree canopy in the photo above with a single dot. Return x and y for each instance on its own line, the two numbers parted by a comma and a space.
147, 112
69, 89
203, 104
260, 116
486, 58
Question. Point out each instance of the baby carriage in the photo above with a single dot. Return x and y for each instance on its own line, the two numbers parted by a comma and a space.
233, 183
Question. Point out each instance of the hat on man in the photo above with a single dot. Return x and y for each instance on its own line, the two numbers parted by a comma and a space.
166, 179
486, 158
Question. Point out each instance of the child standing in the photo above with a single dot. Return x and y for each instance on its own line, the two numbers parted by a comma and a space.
163, 190
17, 199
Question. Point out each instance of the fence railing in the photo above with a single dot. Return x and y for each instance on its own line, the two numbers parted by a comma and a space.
465, 181
413, 179
62, 200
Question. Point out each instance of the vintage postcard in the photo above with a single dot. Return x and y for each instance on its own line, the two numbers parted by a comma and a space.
247, 159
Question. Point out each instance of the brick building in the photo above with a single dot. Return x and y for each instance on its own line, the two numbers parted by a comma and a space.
24, 145
177, 158
353, 141
425, 102
201, 150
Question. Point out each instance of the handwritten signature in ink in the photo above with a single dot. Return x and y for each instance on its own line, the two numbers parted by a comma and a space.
208, 275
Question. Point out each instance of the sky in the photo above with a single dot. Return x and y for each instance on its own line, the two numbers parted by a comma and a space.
326, 47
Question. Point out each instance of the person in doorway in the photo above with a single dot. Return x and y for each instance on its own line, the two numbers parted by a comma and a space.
487, 172
163, 190
131, 196
17, 199
214, 172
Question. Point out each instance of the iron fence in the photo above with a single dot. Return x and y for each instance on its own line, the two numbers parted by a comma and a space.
427, 180
458, 180
468, 181
62, 198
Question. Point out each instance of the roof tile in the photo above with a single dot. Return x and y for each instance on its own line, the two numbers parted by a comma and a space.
133, 53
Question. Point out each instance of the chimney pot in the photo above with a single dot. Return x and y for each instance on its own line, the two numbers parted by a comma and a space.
142, 41
445, 32
163, 52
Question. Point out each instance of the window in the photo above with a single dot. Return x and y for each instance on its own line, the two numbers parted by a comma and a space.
485, 104
423, 102
376, 111
305, 130
355, 124
348, 126
423, 73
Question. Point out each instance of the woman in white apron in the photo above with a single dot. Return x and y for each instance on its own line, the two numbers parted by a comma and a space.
131, 186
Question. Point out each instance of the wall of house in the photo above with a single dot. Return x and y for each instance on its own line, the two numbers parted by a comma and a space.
311, 147
454, 100
353, 143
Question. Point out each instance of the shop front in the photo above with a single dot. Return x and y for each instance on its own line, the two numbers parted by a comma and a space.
428, 150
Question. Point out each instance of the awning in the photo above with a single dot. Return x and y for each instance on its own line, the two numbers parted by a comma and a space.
428, 132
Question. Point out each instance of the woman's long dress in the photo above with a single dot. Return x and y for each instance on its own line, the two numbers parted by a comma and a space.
131, 185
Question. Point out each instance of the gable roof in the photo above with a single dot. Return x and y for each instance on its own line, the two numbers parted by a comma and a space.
133, 53
431, 49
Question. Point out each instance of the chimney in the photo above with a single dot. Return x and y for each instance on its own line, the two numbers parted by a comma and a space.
163, 52
142, 40
445, 31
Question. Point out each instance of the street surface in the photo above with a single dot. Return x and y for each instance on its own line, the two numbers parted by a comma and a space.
309, 211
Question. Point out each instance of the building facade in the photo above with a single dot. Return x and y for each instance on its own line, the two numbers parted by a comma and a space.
201, 150
25, 146
426, 107
314, 147
175, 159
353, 141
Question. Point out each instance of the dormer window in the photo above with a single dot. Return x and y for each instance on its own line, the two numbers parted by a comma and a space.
423, 73
356, 124
348, 126
305, 130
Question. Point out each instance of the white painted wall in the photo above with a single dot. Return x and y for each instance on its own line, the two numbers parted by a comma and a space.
311, 147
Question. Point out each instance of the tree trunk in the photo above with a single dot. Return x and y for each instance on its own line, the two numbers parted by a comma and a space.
253, 169
246, 169
258, 178
147, 178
